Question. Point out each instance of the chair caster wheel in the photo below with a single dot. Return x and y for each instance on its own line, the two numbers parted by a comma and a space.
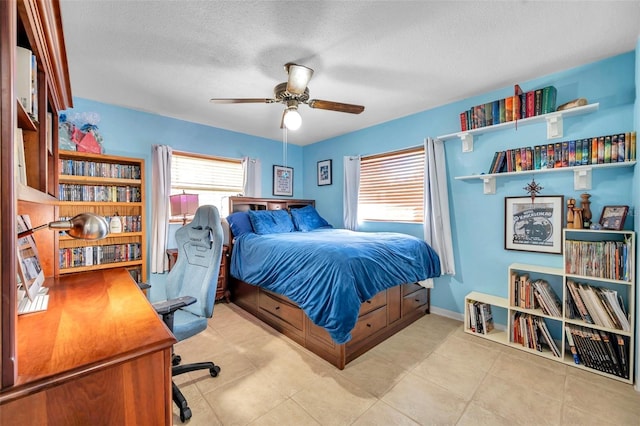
214, 371
176, 360
185, 414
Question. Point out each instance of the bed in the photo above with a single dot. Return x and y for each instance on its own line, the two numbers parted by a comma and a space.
336, 292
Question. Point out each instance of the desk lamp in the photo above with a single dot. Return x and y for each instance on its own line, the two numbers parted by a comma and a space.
184, 205
85, 226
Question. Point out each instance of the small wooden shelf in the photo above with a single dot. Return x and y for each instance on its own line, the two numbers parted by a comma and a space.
116, 165
581, 175
554, 122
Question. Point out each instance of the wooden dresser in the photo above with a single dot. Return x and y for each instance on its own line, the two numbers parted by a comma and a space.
222, 292
98, 355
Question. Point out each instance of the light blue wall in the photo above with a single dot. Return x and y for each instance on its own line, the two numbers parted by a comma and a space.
477, 219
132, 133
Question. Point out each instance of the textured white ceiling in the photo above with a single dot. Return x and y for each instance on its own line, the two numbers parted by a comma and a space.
394, 57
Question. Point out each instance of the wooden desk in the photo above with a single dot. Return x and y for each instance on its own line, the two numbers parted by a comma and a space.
99, 355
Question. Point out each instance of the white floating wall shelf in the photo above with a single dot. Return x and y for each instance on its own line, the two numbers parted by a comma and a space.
581, 175
554, 122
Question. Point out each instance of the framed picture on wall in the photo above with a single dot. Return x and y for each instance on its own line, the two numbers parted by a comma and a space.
283, 181
324, 172
534, 225
613, 217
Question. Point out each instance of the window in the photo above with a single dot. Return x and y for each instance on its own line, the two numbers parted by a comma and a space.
392, 186
214, 179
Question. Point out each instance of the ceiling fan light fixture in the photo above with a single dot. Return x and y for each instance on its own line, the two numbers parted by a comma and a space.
292, 118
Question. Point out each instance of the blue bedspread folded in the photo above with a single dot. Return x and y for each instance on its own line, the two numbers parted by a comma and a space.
330, 272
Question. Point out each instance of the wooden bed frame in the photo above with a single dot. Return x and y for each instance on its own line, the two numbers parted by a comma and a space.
381, 317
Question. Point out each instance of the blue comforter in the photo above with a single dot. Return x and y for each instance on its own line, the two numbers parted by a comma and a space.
330, 272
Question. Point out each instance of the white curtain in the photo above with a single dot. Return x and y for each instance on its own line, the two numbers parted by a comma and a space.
351, 187
437, 225
252, 185
161, 209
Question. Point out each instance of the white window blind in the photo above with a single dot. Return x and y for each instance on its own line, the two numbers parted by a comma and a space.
392, 186
214, 179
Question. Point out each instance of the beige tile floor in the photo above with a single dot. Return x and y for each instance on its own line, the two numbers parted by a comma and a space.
431, 373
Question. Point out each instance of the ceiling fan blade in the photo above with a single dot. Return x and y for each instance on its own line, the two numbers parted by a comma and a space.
299, 77
242, 101
335, 106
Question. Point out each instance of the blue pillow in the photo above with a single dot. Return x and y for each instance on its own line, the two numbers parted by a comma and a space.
307, 219
239, 223
270, 221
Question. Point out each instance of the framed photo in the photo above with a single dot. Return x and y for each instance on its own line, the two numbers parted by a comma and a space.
613, 217
324, 172
283, 181
536, 226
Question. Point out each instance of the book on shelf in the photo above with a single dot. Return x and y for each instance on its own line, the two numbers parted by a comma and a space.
549, 95
532, 332
537, 102
487, 318
25, 81
19, 164
572, 346
596, 305
547, 298
531, 106
607, 149
480, 317
601, 350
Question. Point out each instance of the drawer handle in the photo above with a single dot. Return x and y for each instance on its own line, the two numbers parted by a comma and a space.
368, 301
368, 325
416, 300
277, 307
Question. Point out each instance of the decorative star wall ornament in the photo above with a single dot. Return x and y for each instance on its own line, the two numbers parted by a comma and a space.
533, 189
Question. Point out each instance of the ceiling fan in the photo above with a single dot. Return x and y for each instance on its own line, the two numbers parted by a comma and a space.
292, 93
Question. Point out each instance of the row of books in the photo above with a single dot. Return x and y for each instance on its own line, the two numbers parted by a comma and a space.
480, 317
98, 255
600, 259
535, 294
596, 305
600, 350
26, 82
520, 105
100, 193
616, 148
98, 169
531, 332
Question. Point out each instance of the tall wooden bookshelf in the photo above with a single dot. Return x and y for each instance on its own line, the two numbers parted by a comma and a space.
35, 26
610, 266
108, 186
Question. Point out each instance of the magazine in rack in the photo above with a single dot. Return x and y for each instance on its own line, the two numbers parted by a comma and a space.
29, 268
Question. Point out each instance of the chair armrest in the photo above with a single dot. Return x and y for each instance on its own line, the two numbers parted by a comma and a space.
168, 306
143, 286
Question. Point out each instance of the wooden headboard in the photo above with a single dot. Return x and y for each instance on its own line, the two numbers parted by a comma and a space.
243, 204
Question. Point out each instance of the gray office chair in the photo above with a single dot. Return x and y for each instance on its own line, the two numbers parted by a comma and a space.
191, 288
